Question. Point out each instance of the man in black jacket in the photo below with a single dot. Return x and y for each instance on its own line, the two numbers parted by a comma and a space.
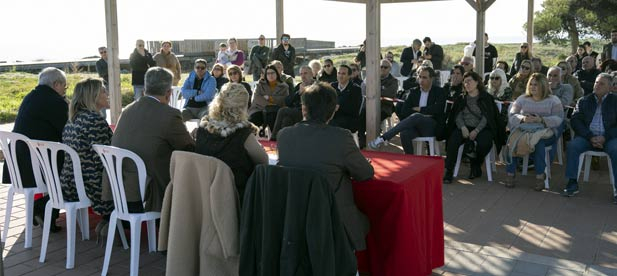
411, 57
349, 101
42, 116
140, 60
433, 52
422, 114
286, 54
587, 75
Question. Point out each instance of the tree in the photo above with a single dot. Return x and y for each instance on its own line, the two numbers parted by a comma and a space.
563, 21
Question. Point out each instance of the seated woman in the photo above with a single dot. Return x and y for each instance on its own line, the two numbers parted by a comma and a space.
86, 127
226, 133
518, 82
235, 76
218, 72
198, 90
292, 113
315, 67
500, 90
474, 118
422, 113
270, 94
536, 106
567, 78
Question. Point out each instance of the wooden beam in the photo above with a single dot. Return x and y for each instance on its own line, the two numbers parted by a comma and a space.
280, 19
373, 80
384, 1
530, 26
480, 20
488, 4
113, 62
473, 4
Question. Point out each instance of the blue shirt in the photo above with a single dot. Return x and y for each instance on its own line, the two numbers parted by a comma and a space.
597, 125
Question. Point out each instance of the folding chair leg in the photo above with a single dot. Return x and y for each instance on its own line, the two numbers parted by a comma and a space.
458, 161
587, 168
113, 220
71, 235
29, 216
135, 240
46, 227
151, 235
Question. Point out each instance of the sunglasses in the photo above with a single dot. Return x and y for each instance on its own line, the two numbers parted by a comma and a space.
494, 78
525, 67
327, 65
262, 39
285, 39
385, 67
103, 52
200, 68
354, 70
523, 46
465, 63
140, 45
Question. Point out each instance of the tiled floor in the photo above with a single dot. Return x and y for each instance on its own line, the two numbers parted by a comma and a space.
489, 230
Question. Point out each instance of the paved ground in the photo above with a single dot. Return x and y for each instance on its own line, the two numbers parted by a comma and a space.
489, 230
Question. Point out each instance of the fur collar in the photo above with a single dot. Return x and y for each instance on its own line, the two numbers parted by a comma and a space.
223, 128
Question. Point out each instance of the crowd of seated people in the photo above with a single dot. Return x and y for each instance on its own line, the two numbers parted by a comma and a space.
320, 114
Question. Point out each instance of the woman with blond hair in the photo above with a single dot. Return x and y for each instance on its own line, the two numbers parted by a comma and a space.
227, 134
84, 128
537, 105
167, 59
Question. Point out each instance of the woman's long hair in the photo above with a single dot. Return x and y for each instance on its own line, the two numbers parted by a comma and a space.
84, 96
498, 91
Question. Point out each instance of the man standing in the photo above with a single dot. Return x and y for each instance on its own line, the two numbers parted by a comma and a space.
101, 65
286, 54
587, 75
349, 100
259, 58
610, 50
312, 144
595, 123
490, 55
140, 60
590, 52
411, 57
41, 116
152, 129
433, 52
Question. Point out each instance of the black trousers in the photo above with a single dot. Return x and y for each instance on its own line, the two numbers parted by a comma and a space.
263, 119
362, 126
285, 117
484, 143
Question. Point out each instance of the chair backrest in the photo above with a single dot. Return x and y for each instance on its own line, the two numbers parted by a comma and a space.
112, 158
47, 155
8, 144
173, 101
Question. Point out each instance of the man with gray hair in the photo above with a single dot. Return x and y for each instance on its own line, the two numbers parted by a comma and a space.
41, 116
152, 129
595, 123
563, 91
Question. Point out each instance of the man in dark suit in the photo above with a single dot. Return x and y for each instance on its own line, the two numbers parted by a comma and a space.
610, 50
433, 52
411, 57
42, 116
152, 129
313, 144
587, 75
422, 114
349, 101
594, 130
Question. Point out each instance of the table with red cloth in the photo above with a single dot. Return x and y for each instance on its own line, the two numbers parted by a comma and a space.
403, 202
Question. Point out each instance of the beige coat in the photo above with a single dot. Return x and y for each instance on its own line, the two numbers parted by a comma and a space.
171, 62
281, 91
199, 220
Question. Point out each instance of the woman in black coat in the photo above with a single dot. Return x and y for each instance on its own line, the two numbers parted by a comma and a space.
474, 117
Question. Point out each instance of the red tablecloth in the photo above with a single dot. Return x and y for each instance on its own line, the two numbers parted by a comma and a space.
404, 205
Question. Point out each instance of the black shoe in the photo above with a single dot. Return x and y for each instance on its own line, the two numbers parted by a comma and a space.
571, 188
262, 133
475, 172
447, 177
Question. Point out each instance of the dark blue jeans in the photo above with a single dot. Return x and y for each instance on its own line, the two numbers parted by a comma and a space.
579, 145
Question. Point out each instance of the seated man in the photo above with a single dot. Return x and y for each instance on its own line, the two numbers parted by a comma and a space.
349, 101
595, 124
422, 114
152, 129
198, 90
312, 144
292, 112
587, 75
563, 91
389, 86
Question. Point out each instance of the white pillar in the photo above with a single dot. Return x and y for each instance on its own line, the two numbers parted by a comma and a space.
113, 63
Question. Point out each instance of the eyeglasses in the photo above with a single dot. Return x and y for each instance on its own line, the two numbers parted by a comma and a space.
261, 38
385, 67
140, 45
465, 63
495, 78
200, 68
103, 52
525, 67
523, 46
234, 73
327, 65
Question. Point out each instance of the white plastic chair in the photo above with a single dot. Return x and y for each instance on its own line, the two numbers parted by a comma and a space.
487, 163
8, 142
175, 94
586, 156
113, 158
47, 153
547, 161
419, 141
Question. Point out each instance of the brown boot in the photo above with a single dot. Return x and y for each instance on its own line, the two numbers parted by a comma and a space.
539, 182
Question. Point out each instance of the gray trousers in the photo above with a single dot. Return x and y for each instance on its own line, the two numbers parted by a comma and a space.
189, 113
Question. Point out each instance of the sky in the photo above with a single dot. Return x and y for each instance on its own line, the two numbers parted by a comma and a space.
71, 29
